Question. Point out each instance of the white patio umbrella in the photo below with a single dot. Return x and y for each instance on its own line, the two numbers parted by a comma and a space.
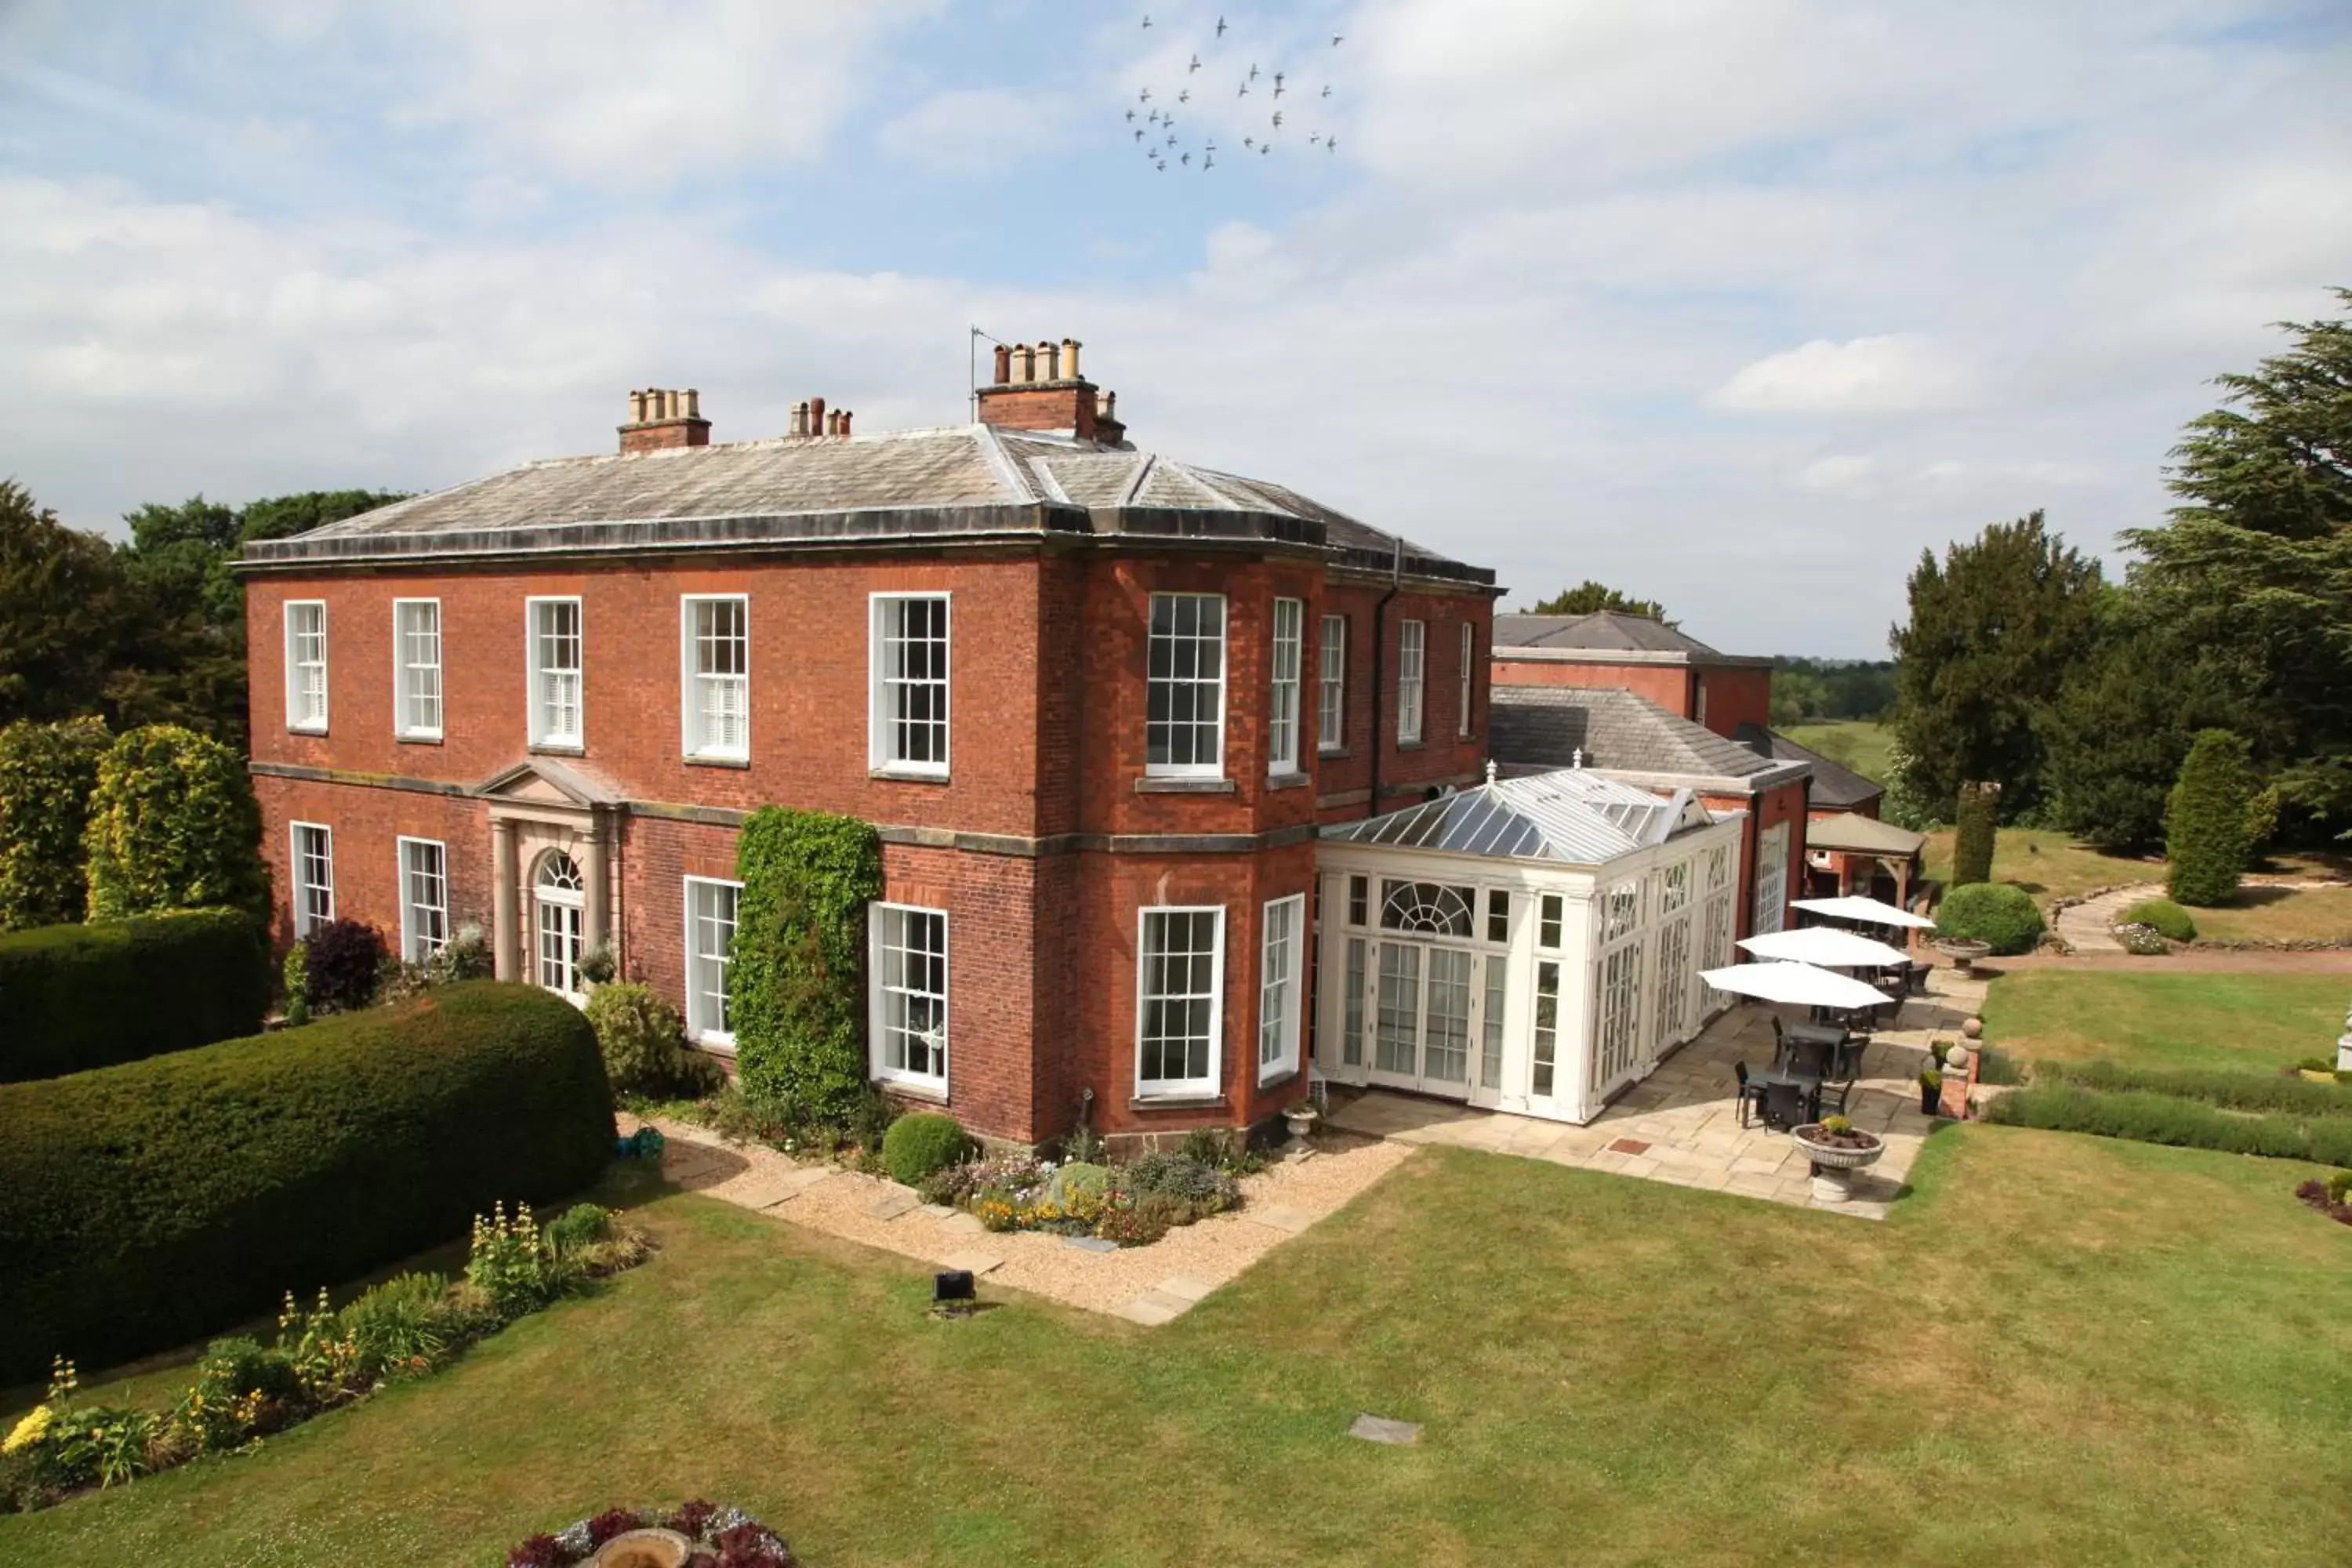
1799, 984
1824, 945
1864, 911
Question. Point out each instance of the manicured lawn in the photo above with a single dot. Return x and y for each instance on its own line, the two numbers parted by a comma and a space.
1858, 744
2261, 1022
2063, 1350
2047, 864
2281, 914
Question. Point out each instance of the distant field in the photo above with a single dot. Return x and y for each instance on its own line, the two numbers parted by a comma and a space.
2047, 864
1853, 743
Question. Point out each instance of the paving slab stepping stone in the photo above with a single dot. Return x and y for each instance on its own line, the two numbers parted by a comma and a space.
1380, 1429
766, 1192
976, 1263
961, 1224
1280, 1216
1152, 1309
1184, 1288
937, 1210
1091, 1243
890, 1205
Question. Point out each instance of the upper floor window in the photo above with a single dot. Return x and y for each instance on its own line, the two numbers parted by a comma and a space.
716, 661
1185, 719
1331, 695
1469, 655
1282, 748
306, 665
907, 727
417, 669
1412, 667
556, 690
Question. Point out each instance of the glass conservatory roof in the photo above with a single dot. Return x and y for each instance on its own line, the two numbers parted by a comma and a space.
1574, 817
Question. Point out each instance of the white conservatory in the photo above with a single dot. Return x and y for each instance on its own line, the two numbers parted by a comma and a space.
1531, 945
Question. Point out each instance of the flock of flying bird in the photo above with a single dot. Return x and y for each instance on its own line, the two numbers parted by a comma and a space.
1155, 131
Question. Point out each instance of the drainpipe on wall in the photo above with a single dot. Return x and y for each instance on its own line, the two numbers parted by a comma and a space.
1379, 654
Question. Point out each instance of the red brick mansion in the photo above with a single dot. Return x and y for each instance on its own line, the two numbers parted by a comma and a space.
1098, 703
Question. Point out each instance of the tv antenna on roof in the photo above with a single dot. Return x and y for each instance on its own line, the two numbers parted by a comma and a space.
972, 367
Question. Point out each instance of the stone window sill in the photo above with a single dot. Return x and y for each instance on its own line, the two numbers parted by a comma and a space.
1289, 1075
1336, 752
1412, 745
1287, 781
717, 761
1150, 786
555, 749
906, 775
929, 1094
432, 740
1178, 1103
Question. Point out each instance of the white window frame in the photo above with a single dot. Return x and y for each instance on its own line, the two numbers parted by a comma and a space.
297, 718
1283, 715
1215, 766
303, 924
1769, 908
881, 730
1413, 670
406, 688
536, 695
1469, 652
1277, 1016
1187, 1087
693, 733
1331, 686
698, 1023
875, 1031
415, 947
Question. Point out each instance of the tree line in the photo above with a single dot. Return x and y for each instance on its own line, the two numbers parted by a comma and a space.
2022, 664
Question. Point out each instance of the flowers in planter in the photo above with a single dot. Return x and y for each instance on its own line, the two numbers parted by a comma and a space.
244, 1391
715, 1537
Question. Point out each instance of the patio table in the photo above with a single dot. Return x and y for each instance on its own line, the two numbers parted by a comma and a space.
1760, 1080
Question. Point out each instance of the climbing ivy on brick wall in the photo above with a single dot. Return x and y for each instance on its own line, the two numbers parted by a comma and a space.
46, 772
796, 989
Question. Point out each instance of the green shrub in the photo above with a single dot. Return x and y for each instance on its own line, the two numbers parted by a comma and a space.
2208, 820
2339, 1187
919, 1144
150, 1204
2236, 1090
47, 773
1974, 832
510, 1265
2168, 920
2142, 941
403, 1327
172, 825
578, 1226
1997, 1066
1996, 913
295, 982
2166, 1118
1077, 1183
797, 984
1184, 1176
341, 963
2262, 819
79, 997
644, 1042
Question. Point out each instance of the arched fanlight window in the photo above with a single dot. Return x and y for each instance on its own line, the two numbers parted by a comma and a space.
559, 874
1432, 907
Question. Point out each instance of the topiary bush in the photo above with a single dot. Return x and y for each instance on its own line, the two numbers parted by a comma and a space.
1974, 830
2209, 820
47, 773
148, 1204
79, 997
644, 1042
172, 825
343, 960
797, 984
919, 1144
2003, 916
2168, 920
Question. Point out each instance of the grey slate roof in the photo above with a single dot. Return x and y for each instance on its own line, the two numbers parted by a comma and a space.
1543, 727
1834, 784
1571, 817
962, 480
1608, 631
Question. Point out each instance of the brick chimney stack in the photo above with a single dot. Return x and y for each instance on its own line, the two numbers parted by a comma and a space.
1038, 387
661, 417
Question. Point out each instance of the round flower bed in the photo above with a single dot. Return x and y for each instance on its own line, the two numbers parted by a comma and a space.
1837, 1149
696, 1535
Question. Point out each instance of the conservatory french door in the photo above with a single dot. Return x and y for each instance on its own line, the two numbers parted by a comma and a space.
1422, 1019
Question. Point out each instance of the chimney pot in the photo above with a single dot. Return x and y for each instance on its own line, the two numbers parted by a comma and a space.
693, 403
1004, 364
1025, 366
662, 417
816, 415
1049, 356
846, 416
636, 408
799, 419
1070, 358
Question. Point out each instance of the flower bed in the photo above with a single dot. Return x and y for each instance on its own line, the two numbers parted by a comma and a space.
1132, 1205
713, 1537
325, 1357
2332, 1197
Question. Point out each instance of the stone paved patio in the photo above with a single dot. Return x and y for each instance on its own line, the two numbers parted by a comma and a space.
1681, 1124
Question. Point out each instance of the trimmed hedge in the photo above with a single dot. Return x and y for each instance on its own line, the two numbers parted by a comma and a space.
797, 984
47, 773
2209, 820
1994, 913
2164, 917
2294, 1096
917, 1146
79, 996
173, 825
149, 1204
2184, 1123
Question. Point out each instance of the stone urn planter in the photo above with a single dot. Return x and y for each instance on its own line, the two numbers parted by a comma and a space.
1300, 1120
643, 1549
1963, 952
1836, 1156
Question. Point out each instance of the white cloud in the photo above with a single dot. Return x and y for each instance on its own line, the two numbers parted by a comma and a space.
978, 130
1837, 473
1900, 374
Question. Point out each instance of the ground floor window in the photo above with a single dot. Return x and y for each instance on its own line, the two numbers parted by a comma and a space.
1351, 1006
1277, 996
1180, 964
1715, 951
709, 950
424, 898
1490, 1045
1617, 1037
910, 994
1771, 879
1547, 1033
1673, 981
314, 877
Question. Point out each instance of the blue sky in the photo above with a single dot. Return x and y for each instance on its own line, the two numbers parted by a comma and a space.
1736, 304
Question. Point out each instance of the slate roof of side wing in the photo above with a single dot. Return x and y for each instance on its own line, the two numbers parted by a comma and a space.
960, 480
1533, 727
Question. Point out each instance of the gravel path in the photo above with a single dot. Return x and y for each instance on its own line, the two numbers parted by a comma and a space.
1144, 1284
2089, 927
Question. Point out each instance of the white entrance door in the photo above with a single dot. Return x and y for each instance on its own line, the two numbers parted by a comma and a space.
1421, 1017
556, 894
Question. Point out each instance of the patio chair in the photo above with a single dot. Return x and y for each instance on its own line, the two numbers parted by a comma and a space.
1809, 1056
1824, 1106
1751, 1095
1847, 1064
1784, 1105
